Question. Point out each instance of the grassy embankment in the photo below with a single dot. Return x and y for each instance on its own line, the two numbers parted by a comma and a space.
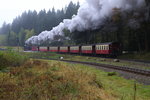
87, 59
11, 58
52, 80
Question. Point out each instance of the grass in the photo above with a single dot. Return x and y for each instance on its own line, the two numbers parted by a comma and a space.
14, 48
87, 59
120, 87
53, 80
137, 56
11, 58
39, 80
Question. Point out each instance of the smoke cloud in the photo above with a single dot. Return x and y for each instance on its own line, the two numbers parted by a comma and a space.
90, 16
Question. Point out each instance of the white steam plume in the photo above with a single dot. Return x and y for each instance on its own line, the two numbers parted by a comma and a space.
90, 16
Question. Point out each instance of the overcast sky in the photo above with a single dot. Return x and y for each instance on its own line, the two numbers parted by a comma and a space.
9, 9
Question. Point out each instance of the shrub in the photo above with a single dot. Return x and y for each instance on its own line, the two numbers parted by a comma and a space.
112, 73
10, 58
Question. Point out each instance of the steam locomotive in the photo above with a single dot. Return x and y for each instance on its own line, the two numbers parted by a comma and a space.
109, 49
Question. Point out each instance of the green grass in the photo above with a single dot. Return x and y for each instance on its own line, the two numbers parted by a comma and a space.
11, 58
87, 59
53, 80
137, 56
39, 80
119, 86
13, 48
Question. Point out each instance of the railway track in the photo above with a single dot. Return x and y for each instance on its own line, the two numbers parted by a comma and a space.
127, 69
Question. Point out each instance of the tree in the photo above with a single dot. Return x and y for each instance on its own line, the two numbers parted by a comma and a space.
29, 33
22, 36
5, 28
13, 39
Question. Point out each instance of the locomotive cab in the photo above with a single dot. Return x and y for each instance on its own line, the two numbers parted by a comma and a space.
115, 48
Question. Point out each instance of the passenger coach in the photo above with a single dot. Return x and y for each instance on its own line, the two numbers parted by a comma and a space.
111, 48
75, 49
87, 49
64, 49
43, 49
54, 49
34, 48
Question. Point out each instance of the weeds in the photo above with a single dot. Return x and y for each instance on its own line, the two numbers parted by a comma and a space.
111, 73
10, 58
51, 80
40, 80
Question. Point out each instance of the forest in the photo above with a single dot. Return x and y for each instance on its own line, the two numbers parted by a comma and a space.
132, 30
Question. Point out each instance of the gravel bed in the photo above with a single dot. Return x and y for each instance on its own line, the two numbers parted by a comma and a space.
140, 78
127, 75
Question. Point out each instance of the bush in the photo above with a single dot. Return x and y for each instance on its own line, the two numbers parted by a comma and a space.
112, 73
10, 58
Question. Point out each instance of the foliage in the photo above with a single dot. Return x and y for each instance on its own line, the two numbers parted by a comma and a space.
11, 58
130, 29
2, 39
37, 80
32, 23
124, 27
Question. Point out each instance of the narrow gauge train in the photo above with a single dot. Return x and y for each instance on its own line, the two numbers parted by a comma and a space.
110, 49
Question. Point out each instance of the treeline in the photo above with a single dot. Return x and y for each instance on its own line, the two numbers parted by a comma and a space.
130, 29
32, 23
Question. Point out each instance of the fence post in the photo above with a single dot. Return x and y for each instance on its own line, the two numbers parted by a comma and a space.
135, 89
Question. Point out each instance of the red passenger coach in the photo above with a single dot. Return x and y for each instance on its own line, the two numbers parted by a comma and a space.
43, 49
53, 49
87, 49
64, 49
111, 48
75, 49
34, 48
103, 49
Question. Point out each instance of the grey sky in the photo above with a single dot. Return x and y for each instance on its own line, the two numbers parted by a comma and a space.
9, 9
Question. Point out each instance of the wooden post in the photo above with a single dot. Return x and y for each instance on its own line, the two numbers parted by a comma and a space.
135, 88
